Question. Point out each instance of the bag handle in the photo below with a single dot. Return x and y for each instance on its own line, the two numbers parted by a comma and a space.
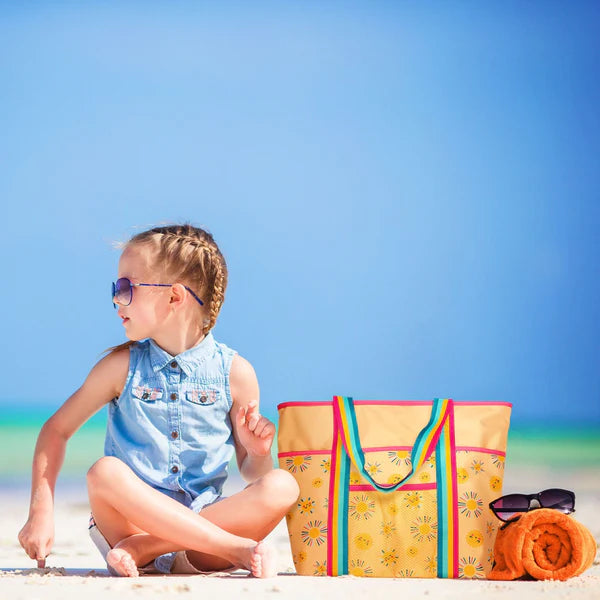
345, 418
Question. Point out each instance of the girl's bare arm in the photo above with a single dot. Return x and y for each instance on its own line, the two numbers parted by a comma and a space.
104, 382
253, 433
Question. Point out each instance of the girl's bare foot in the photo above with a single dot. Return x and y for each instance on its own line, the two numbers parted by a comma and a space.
262, 563
122, 562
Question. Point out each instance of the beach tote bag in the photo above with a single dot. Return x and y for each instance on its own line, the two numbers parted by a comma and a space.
393, 488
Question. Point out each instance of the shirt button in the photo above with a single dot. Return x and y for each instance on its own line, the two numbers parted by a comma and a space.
174, 469
174, 435
173, 396
174, 364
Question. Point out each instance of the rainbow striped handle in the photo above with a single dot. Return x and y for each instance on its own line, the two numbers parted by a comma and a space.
437, 435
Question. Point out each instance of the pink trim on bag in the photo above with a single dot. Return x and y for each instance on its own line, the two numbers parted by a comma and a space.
396, 402
475, 449
330, 515
305, 403
482, 403
393, 402
454, 496
404, 488
301, 453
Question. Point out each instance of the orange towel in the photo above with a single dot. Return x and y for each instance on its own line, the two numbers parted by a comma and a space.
545, 544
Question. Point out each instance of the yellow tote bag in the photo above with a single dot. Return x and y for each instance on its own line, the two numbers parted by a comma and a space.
394, 488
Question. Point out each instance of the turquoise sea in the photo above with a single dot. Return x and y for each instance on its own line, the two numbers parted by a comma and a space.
573, 445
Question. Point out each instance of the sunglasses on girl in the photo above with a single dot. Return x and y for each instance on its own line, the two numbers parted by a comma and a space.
506, 507
122, 291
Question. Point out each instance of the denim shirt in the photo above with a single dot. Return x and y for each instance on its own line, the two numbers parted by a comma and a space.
171, 422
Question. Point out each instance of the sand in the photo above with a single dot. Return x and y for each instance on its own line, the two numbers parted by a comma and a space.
76, 570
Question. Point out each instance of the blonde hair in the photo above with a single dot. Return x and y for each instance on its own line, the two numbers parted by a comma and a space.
189, 255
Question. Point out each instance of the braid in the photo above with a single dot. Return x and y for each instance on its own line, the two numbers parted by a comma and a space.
190, 255
218, 297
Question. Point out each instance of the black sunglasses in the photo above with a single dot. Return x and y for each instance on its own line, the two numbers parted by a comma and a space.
122, 291
506, 507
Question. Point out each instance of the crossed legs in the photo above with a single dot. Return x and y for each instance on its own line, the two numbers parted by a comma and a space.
141, 523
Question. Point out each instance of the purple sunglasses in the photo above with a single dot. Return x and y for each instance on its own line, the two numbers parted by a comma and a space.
122, 291
506, 507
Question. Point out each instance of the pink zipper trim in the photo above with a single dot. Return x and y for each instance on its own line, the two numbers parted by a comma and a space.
300, 453
482, 403
318, 403
486, 450
396, 403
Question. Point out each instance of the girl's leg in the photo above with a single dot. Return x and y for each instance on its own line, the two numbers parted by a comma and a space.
252, 513
126, 507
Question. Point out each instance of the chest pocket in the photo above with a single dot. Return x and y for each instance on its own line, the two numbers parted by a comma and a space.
203, 396
147, 393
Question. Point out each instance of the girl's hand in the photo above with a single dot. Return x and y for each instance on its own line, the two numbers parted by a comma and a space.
255, 432
37, 537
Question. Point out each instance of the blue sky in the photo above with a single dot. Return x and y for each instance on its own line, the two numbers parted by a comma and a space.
408, 198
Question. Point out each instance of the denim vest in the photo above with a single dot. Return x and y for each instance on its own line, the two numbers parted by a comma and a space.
171, 423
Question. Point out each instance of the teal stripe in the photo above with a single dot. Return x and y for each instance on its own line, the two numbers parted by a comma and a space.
354, 436
344, 482
418, 448
442, 503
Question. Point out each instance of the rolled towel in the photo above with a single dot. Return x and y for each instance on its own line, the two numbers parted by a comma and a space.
544, 544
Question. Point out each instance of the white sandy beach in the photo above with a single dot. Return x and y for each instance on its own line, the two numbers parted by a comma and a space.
76, 570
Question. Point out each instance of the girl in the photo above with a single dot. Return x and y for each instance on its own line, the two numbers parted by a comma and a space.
180, 404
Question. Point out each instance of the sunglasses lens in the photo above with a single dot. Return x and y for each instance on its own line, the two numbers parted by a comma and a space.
559, 499
508, 506
122, 291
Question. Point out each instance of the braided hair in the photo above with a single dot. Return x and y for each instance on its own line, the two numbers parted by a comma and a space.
189, 255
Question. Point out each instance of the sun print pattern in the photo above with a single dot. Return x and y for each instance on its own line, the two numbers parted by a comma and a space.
406, 573
498, 461
470, 505
413, 500
363, 541
477, 466
314, 532
469, 567
389, 557
423, 528
495, 484
431, 565
377, 519
361, 507
359, 568
399, 457
297, 463
387, 529
320, 568
373, 468
306, 505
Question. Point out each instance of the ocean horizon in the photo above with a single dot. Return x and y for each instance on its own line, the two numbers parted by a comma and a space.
572, 444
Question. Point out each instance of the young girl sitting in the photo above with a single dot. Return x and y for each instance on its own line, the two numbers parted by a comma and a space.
180, 404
